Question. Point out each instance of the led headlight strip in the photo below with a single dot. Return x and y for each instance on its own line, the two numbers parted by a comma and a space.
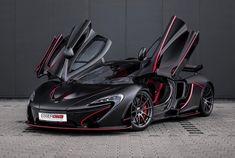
112, 98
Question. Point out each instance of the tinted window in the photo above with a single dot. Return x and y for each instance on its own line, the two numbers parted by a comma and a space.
89, 53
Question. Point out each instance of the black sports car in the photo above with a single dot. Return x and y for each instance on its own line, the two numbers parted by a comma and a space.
85, 92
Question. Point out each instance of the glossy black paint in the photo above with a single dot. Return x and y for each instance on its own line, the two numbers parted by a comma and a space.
72, 89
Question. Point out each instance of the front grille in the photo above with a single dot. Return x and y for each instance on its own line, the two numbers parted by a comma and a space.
75, 117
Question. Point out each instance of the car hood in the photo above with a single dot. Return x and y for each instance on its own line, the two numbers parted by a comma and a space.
64, 96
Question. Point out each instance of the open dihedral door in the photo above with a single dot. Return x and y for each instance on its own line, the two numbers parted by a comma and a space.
175, 49
69, 56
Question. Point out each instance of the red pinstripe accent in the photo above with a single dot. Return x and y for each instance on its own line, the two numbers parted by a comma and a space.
53, 91
186, 52
55, 46
126, 119
81, 129
199, 85
49, 52
46, 54
94, 113
164, 39
190, 95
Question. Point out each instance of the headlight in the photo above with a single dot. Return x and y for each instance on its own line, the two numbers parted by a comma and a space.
31, 98
112, 98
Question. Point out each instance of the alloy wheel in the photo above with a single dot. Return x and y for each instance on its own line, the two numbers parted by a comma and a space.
141, 110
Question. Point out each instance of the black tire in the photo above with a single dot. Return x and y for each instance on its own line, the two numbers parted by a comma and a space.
141, 111
207, 100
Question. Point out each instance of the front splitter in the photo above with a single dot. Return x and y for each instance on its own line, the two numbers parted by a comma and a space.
80, 129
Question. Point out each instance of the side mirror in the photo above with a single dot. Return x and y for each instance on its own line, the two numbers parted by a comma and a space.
68, 53
142, 54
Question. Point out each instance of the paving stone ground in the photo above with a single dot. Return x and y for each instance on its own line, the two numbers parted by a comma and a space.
200, 137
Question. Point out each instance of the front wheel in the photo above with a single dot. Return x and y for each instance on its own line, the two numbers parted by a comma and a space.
141, 111
207, 100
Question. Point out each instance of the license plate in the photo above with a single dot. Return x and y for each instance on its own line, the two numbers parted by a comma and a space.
52, 117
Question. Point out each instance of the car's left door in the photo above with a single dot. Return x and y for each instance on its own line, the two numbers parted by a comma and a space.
69, 56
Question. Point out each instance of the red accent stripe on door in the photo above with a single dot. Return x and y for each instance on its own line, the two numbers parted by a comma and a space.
161, 46
190, 95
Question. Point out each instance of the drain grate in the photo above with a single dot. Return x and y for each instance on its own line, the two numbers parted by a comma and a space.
189, 127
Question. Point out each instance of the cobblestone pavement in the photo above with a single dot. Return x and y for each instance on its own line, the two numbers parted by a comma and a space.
212, 136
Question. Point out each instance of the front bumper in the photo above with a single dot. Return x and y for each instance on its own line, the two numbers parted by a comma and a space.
83, 119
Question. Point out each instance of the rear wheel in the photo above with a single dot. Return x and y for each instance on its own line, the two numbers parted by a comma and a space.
207, 100
141, 111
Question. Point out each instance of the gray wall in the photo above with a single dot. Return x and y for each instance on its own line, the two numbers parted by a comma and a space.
27, 27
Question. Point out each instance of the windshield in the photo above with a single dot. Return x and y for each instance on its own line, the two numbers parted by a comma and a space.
109, 74
90, 52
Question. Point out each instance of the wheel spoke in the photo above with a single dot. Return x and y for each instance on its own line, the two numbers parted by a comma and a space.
133, 112
146, 101
209, 103
207, 100
148, 108
143, 118
141, 98
136, 119
135, 103
209, 97
206, 107
145, 114
208, 92
141, 110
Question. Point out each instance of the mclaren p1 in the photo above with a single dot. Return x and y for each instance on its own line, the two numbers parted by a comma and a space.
86, 92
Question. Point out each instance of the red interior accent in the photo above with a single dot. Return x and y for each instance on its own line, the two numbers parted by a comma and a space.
157, 87
156, 98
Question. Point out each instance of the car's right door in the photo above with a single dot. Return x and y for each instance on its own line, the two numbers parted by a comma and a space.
174, 49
